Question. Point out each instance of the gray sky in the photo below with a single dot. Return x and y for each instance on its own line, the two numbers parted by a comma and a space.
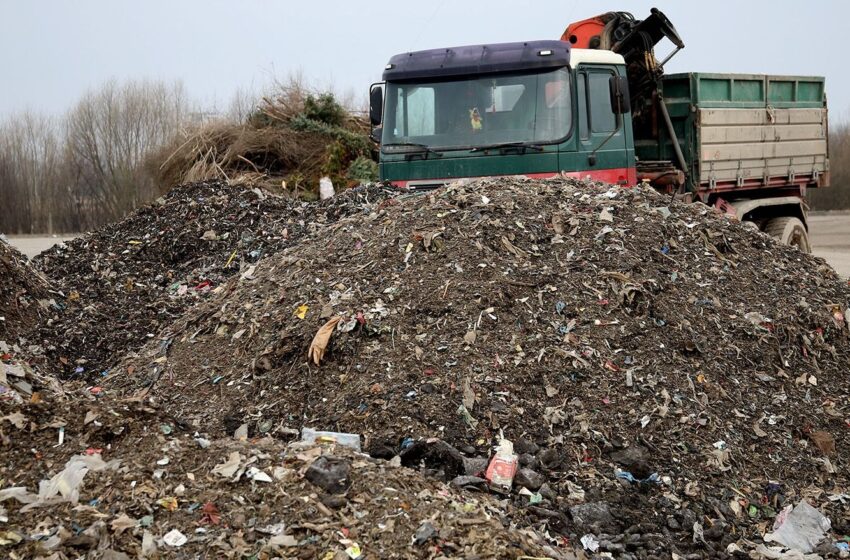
51, 52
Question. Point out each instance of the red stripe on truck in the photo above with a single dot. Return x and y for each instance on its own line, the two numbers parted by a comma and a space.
625, 176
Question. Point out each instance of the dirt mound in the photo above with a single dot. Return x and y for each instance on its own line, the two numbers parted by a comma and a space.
614, 335
21, 288
135, 484
126, 282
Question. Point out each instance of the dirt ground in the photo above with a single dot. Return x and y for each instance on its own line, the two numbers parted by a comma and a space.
830, 237
31, 245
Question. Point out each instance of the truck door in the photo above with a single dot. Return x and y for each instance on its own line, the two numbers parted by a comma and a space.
601, 132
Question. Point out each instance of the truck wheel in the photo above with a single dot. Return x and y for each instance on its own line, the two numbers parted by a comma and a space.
789, 231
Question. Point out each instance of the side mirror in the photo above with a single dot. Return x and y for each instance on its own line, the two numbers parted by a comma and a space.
375, 134
619, 89
376, 104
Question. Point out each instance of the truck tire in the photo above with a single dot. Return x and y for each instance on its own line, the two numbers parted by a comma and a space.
789, 231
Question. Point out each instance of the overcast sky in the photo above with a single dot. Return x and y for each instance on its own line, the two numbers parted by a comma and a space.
51, 52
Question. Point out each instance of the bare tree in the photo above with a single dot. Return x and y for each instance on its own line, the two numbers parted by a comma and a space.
108, 135
31, 173
837, 196
242, 105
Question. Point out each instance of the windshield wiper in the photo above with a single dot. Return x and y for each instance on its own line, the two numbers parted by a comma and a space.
521, 147
423, 148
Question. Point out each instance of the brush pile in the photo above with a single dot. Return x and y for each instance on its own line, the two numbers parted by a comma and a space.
288, 142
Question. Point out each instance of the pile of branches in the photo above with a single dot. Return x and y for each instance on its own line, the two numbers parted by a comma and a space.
290, 141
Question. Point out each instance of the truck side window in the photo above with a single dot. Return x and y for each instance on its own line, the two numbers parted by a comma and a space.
581, 86
602, 118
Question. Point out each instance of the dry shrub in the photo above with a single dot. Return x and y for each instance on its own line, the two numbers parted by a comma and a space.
292, 138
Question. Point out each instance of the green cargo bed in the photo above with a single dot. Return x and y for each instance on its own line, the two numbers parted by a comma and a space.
743, 131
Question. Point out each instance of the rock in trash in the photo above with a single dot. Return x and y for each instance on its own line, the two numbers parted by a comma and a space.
547, 491
524, 445
333, 501
593, 517
330, 474
634, 459
381, 450
434, 454
550, 459
424, 533
465, 481
528, 478
474, 466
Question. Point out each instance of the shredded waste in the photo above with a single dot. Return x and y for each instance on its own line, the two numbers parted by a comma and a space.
126, 282
24, 294
540, 369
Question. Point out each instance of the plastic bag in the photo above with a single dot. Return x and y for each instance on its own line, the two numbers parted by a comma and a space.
67, 482
326, 188
801, 528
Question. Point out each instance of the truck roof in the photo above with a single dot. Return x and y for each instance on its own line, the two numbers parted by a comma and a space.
478, 59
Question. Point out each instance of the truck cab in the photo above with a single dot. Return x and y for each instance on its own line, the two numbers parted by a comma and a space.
597, 105
536, 109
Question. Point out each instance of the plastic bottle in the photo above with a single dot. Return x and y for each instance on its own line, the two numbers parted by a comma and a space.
502, 467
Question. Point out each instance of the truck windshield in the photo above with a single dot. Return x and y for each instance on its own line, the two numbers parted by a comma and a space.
478, 111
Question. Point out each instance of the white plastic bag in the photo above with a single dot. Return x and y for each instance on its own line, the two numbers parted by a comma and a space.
801, 528
67, 482
326, 188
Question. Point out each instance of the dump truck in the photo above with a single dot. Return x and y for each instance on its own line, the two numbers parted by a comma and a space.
596, 104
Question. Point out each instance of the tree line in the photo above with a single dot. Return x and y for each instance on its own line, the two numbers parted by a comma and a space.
91, 165
101, 159
837, 196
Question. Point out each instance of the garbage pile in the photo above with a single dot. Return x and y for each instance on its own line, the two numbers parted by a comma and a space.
86, 476
656, 378
24, 293
124, 283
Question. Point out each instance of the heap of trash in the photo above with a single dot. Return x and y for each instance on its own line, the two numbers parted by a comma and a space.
124, 283
24, 294
633, 349
121, 479
502, 368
